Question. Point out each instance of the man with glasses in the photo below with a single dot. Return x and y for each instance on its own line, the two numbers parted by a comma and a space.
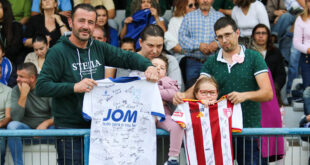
196, 38
242, 75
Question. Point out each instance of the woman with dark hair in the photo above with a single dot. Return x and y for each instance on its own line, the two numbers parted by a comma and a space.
247, 14
40, 47
270, 110
152, 43
102, 22
136, 6
10, 33
262, 40
48, 23
182, 7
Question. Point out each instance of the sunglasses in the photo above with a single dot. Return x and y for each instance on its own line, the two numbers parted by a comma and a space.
191, 5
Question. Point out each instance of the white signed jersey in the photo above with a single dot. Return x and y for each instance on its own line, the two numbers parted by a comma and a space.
208, 131
123, 130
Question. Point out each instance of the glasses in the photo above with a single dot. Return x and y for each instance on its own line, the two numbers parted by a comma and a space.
260, 33
226, 36
208, 92
191, 5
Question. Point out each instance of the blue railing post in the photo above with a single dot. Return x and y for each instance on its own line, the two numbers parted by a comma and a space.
86, 149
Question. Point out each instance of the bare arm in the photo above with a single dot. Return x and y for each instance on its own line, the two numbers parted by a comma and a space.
264, 93
110, 72
24, 89
160, 23
33, 13
177, 48
302, 3
46, 123
4, 122
62, 26
226, 11
124, 29
111, 13
65, 13
28, 43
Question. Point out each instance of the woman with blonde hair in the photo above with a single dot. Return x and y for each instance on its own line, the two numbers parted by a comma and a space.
48, 23
182, 7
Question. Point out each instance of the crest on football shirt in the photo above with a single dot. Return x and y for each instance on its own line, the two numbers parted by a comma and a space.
227, 112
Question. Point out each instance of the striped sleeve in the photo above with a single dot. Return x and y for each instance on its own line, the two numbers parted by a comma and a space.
258, 62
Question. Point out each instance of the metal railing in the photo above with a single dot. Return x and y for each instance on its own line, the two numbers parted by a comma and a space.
291, 134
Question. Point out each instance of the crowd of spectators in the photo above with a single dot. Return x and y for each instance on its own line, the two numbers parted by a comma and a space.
29, 28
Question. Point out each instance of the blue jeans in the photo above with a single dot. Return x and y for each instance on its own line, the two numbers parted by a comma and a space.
2, 148
305, 74
305, 69
306, 96
283, 24
70, 150
292, 68
248, 150
15, 143
193, 69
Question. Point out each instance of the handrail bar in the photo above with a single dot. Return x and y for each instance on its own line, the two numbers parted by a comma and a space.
159, 132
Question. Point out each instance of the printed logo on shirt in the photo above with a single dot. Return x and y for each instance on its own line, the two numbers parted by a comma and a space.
119, 115
227, 112
178, 114
86, 67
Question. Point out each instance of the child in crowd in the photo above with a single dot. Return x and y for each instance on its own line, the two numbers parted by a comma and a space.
128, 44
208, 126
168, 88
206, 89
6, 66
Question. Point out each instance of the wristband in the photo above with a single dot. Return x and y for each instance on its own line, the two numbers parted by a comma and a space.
61, 25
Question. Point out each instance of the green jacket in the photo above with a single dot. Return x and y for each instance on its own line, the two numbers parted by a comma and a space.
67, 64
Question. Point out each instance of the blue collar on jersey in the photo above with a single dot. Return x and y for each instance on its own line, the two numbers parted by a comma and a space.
124, 79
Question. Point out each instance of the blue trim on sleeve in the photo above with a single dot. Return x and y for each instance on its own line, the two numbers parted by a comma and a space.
162, 116
86, 117
124, 79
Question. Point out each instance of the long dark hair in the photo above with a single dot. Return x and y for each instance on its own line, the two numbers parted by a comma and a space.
269, 44
106, 26
7, 22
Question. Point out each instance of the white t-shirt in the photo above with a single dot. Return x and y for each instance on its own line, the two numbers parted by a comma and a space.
208, 131
257, 14
123, 127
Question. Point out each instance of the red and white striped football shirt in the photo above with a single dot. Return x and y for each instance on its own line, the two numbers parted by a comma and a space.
208, 131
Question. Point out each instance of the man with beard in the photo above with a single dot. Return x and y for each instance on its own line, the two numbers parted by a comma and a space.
196, 38
242, 75
71, 68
